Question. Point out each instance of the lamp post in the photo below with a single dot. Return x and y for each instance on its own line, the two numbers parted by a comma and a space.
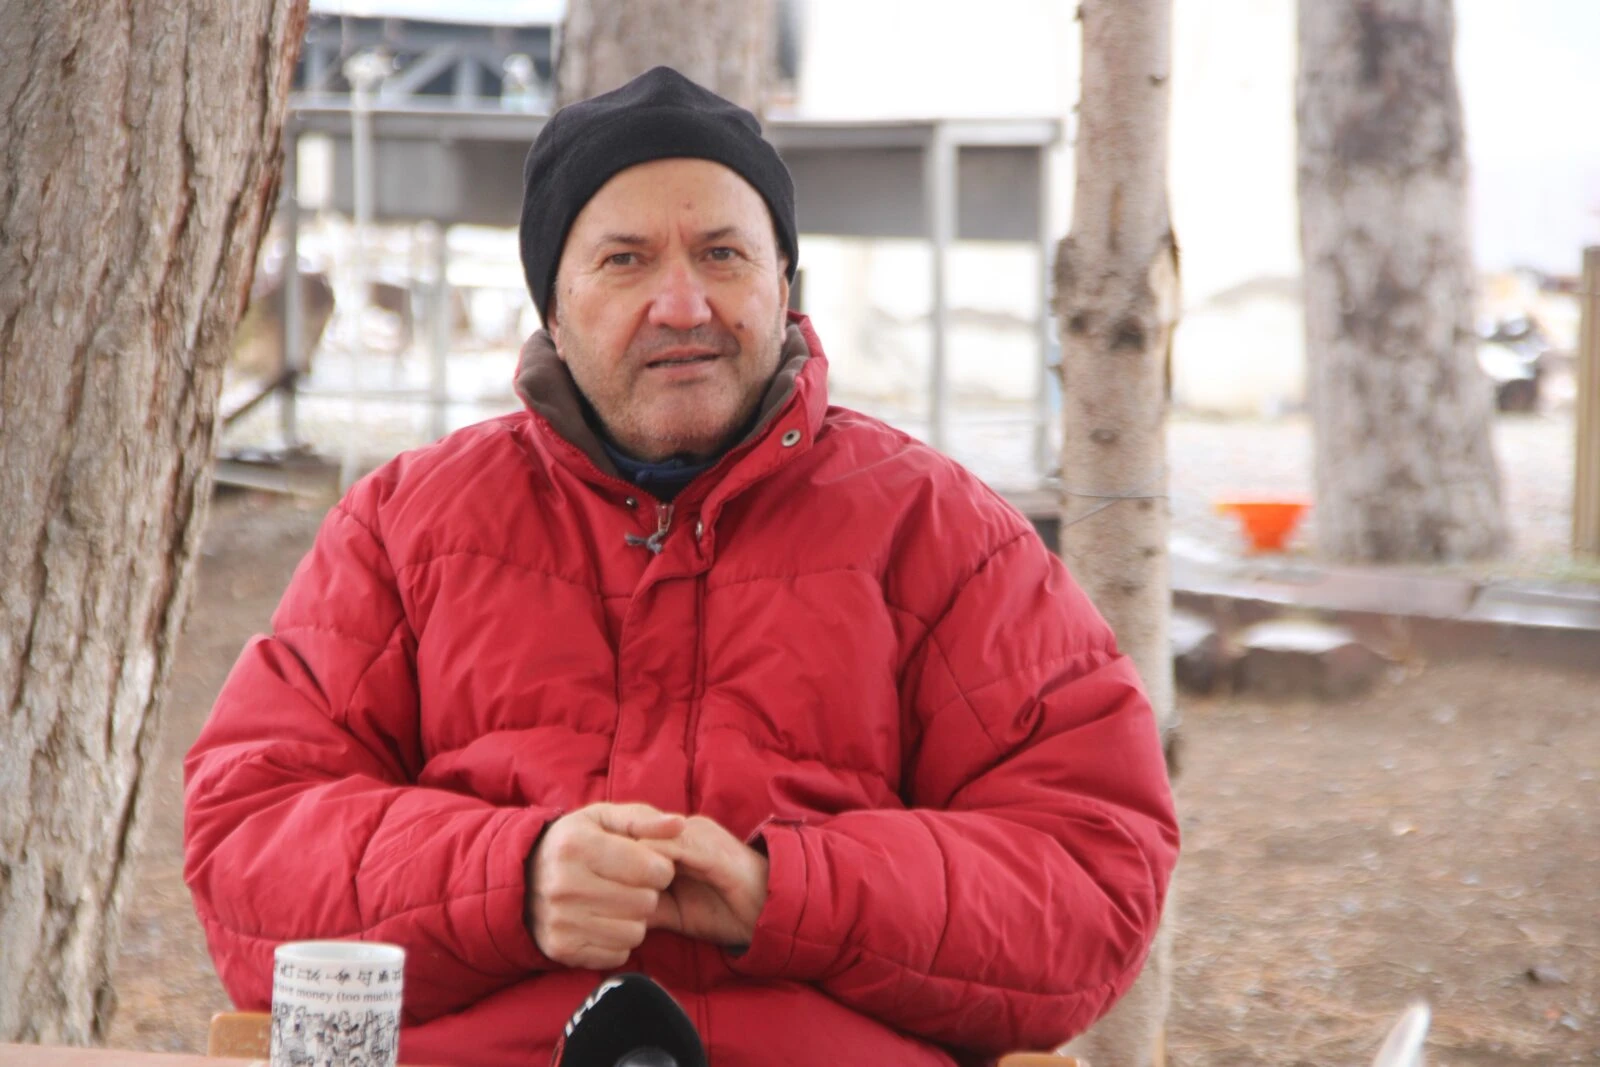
517, 93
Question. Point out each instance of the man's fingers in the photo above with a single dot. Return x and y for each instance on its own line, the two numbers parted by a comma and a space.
703, 849
639, 821
579, 889
582, 939
612, 934
629, 863
593, 959
599, 944
601, 896
571, 930
657, 827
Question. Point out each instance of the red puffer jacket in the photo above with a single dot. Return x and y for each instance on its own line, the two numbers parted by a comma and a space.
846, 646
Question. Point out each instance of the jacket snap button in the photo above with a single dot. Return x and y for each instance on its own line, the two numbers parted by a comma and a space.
699, 528
631, 502
791, 438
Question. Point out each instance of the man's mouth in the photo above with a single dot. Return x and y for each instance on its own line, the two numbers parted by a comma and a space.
682, 361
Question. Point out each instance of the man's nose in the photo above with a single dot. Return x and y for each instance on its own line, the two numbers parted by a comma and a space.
680, 299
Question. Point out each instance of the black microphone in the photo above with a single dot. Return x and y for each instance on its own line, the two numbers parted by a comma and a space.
629, 1021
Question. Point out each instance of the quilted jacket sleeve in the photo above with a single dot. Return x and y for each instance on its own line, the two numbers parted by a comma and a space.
302, 819
1016, 900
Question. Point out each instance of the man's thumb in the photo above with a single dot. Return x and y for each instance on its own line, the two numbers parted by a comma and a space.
639, 821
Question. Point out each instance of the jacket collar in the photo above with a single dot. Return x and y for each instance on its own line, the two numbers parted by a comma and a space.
798, 388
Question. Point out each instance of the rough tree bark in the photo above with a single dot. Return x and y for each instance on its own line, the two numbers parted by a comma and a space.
140, 154
1405, 467
1116, 300
725, 45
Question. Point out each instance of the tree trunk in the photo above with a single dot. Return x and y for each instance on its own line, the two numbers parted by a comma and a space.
141, 154
1116, 301
725, 45
1405, 465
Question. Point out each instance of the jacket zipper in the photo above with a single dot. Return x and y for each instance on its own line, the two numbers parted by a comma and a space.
664, 511
663, 524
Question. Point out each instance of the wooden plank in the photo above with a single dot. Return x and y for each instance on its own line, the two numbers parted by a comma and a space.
240, 1034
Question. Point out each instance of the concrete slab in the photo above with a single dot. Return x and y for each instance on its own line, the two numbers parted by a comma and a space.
1398, 614
1527, 605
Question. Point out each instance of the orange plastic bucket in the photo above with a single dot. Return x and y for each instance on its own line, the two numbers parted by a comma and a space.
1268, 524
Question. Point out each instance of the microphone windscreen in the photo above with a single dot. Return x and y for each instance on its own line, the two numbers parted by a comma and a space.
628, 1013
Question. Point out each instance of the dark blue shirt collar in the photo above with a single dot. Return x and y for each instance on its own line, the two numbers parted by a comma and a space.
662, 480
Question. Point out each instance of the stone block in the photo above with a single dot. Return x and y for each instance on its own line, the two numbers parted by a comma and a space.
1196, 652
1301, 658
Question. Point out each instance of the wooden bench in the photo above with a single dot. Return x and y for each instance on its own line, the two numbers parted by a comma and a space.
247, 1035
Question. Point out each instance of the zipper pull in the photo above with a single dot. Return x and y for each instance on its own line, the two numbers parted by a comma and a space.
663, 524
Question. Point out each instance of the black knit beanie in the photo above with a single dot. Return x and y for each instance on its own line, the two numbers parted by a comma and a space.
659, 115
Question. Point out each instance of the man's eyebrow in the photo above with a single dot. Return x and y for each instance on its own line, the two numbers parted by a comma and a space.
721, 232
629, 240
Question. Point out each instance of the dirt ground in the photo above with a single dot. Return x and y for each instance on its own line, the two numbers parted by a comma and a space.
1436, 839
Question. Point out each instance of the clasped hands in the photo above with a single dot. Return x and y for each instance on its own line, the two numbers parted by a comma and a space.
604, 876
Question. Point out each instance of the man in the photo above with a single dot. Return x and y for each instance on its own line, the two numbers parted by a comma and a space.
681, 670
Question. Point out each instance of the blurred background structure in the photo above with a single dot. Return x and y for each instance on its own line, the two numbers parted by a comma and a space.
451, 125
470, 83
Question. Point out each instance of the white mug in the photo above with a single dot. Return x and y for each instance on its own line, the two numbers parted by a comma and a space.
336, 1004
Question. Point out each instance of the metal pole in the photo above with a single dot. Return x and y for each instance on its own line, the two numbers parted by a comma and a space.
439, 346
468, 81
939, 181
364, 72
316, 69
294, 359
1041, 371
1586, 485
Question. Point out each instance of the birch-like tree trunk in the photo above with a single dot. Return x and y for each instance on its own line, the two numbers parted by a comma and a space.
1405, 466
141, 153
1116, 301
725, 45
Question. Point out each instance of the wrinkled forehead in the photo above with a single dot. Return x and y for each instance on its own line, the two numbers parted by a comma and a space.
648, 193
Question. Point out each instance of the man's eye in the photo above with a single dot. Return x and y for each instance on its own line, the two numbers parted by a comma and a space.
722, 254
621, 259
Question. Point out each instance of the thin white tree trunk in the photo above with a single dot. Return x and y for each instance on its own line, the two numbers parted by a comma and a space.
141, 153
1116, 301
725, 45
1405, 467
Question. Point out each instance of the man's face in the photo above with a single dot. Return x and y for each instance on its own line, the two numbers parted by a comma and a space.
669, 306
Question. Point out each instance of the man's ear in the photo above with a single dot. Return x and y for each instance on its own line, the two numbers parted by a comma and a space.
552, 324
